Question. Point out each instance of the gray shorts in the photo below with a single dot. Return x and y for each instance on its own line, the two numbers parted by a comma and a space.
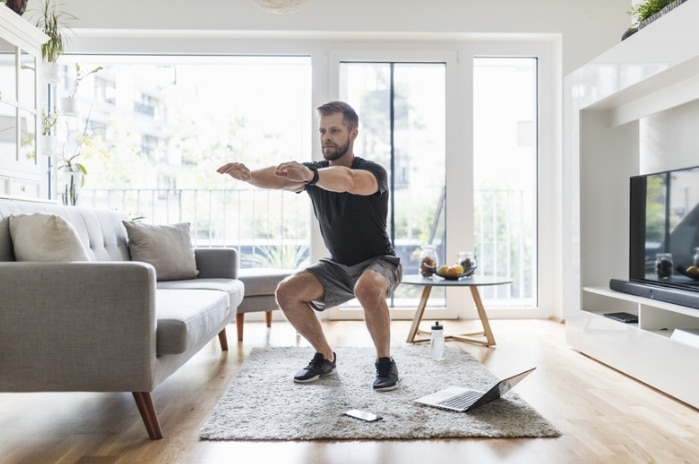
338, 280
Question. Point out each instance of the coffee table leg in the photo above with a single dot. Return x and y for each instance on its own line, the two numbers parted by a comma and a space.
482, 315
418, 313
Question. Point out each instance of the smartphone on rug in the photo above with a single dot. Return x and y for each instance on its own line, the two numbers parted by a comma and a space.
363, 415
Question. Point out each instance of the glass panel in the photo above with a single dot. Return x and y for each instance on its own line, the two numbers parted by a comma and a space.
402, 110
8, 132
8, 75
505, 176
27, 80
177, 119
27, 137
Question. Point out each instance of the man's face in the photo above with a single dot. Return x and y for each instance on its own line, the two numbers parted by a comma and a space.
335, 139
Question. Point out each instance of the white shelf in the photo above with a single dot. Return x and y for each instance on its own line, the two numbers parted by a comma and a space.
669, 43
24, 34
611, 106
643, 301
21, 170
668, 89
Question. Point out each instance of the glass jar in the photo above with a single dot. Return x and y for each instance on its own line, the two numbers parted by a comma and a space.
467, 260
428, 260
663, 265
695, 257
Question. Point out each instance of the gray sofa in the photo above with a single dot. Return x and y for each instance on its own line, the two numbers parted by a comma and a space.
108, 324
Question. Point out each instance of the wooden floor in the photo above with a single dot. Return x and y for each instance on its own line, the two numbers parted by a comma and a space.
605, 417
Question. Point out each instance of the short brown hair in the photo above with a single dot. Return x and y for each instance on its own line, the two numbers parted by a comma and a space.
349, 116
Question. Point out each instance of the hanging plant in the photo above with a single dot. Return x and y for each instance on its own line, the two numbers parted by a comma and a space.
48, 121
79, 76
70, 161
52, 22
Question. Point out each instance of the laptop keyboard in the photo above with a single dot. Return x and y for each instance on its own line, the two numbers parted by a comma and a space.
461, 400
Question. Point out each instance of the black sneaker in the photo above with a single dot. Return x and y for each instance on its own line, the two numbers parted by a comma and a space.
317, 367
386, 375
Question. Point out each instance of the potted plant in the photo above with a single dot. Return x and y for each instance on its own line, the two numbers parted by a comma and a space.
52, 22
18, 6
648, 11
74, 173
72, 170
47, 141
69, 104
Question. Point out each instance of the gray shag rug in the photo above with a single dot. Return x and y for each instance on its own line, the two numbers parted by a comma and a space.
263, 402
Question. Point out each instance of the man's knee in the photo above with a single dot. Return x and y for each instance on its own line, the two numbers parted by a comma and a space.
369, 286
284, 294
301, 287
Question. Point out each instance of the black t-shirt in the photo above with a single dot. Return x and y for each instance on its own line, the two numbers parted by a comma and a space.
353, 226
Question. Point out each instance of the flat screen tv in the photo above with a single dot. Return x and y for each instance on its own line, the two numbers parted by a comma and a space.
664, 229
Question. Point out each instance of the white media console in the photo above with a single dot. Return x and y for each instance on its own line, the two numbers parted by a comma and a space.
632, 110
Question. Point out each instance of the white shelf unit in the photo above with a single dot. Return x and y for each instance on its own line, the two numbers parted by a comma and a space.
614, 105
22, 170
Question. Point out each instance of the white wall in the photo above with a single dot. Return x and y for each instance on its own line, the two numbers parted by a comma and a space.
668, 140
587, 27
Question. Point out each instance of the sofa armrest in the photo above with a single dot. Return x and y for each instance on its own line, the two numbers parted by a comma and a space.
77, 326
220, 263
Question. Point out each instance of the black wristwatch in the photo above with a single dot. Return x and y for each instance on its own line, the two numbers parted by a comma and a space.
315, 175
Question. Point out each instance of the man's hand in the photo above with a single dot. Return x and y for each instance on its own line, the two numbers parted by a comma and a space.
235, 170
294, 171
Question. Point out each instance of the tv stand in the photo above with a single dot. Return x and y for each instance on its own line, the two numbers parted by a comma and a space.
656, 292
630, 111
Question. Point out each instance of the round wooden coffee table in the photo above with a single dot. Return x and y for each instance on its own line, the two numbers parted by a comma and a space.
472, 283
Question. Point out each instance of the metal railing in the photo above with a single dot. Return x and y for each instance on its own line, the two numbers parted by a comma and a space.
271, 228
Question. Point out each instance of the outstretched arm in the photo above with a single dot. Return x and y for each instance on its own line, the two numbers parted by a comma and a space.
293, 176
262, 178
332, 178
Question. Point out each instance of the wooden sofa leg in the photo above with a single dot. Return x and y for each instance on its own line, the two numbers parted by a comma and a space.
268, 318
144, 401
239, 321
223, 339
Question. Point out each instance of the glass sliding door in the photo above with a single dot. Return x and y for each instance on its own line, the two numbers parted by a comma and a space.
505, 176
403, 126
402, 112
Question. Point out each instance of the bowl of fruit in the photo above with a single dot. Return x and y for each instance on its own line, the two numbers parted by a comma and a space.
454, 271
692, 272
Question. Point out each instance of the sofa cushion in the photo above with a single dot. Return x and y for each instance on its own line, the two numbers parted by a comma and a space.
186, 318
234, 287
167, 247
45, 238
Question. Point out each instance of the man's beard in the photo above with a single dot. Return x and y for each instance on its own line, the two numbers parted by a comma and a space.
337, 154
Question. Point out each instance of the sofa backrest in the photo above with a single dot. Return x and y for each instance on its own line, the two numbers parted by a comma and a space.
101, 231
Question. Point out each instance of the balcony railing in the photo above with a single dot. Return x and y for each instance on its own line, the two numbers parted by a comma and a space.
271, 228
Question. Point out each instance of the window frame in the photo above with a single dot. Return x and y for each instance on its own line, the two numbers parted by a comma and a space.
460, 49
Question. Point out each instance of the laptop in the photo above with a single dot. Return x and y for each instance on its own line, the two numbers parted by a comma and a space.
463, 399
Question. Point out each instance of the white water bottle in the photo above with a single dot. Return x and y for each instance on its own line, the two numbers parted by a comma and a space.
437, 342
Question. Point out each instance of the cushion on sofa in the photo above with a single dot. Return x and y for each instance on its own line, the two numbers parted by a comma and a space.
234, 287
168, 248
45, 238
186, 318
